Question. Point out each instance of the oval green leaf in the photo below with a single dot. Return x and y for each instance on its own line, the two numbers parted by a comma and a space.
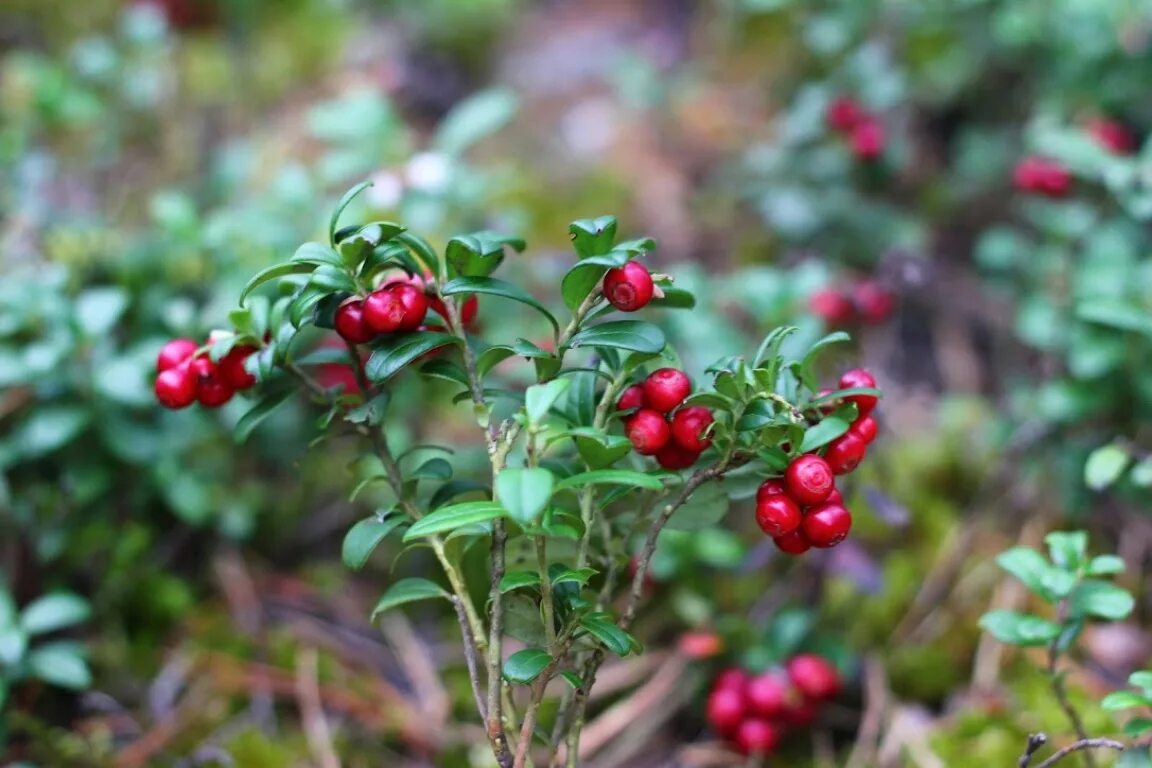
454, 516
391, 358
407, 591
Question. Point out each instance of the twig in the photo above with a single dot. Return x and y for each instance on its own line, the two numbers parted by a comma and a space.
1038, 740
1057, 681
470, 659
316, 730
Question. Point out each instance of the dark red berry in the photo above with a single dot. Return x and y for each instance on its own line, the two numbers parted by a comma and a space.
384, 311
666, 388
826, 525
349, 322
676, 457
211, 389
176, 387
628, 288
792, 543
725, 710
835, 497
648, 430
769, 487
858, 377
1042, 176
846, 452
832, 306
843, 114
867, 139
756, 737
633, 397
174, 353
768, 695
232, 369
873, 301
814, 676
777, 515
865, 429
688, 426
733, 677
801, 714
1111, 135
415, 305
809, 479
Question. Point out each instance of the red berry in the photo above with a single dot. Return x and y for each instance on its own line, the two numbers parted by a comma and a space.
174, 353
767, 695
858, 377
777, 515
792, 543
846, 452
801, 714
867, 139
814, 676
809, 479
768, 488
675, 457
633, 397
688, 427
725, 710
733, 677
873, 301
211, 389
349, 322
648, 431
865, 429
176, 387
826, 525
384, 311
1042, 176
756, 737
832, 306
415, 304
666, 388
232, 369
1111, 135
843, 114
628, 288
700, 644
835, 497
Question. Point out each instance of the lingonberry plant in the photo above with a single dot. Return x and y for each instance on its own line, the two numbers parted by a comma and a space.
565, 503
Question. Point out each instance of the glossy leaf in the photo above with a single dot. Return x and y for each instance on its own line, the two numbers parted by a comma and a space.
1020, 629
363, 538
1118, 700
631, 335
1068, 549
1100, 599
525, 666
518, 579
454, 516
494, 287
612, 477
524, 492
601, 626
829, 428
392, 357
345, 200
592, 237
539, 398
408, 591
268, 403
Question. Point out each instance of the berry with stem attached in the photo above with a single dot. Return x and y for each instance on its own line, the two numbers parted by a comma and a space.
211, 389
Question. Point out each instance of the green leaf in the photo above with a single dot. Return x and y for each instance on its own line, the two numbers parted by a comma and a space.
524, 493
1105, 465
370, 412
562, 575
570, 677
525, 666
1133, 729
1036, 573
407, 591
583, 277
97, 310
598, 448
808, 364
612, 477
491, 357
49, 428
435, 468
318, 255
593, 237
1104, 565
348, 197
392, 357
1114, 314
494, 287
829, 428
13, 644
1101, 599
704, 508
60, 664
1141, 474
632, 335
446, 370
674, 298
363, 538
478, 254
262, 410
539, 399
1142, 679
832, 397
455, 488
760, 414
454, 516
770, 347
1067, 548
1118, 700
601, 626
273, 272
1135, 757
54, 611
1017, 628
474, 118
518, 579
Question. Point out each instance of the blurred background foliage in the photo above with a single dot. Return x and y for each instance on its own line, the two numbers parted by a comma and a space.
153, 154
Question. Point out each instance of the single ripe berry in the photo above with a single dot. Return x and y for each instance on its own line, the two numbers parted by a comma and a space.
835, 497
415, 304
676, 457
1042, 176
211, 389
700, 644
768, 488
777, 515
768, 695
628, 288
725, 710
858, 377
809, 479
688, 426
792, 543
756, 737
383, 311
633, 397
867, 139
349, 322
832, 306
232, 369
174, 353
846, 452
176, 387
873, 301
648, 431
1111, 135
733, 677
826, 525
666, 388
843, 114
814, 676
865, 429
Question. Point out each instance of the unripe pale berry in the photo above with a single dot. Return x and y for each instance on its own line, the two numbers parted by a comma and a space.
628, 288
756, 737
648, 430
700, 644
633, 397
175, 388
858, 377
809, 479
349, 322
814, 676
777, 515
826, 525
174, 353
666, 388
232, 369
688, 426
676, 457
846, 452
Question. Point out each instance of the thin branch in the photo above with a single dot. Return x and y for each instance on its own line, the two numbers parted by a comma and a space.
1038, 740
1057, 682
470, 658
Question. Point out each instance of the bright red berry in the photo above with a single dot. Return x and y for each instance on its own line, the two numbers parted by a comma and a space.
756, 737
826, 525
777, 515
666, 388
1111, 135
349, 322
384, 311
814, 676
865, 429
867, 139
674, 456
629, 288
832, 306
725, 710
846, 452
211, 389
648, 430
174, 353
733, 677
768, 488
835, 497
768, 695
175, 388
843, 114
688, 426
873, 301
792, 543
858, 377
415, 304
1042, 176
809, 479
633, 397
232, 369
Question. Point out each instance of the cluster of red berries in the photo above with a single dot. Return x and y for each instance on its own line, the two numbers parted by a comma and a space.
804, 509
863, 130
398, 306
866, 301
753, 712
186, 375
661, 426
628, 288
